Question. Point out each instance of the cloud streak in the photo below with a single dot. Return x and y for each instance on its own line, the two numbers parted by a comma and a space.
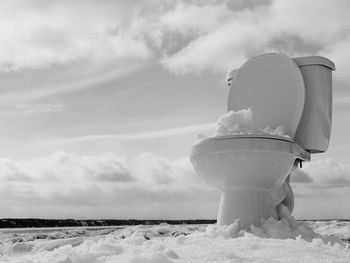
136, 136
84, 81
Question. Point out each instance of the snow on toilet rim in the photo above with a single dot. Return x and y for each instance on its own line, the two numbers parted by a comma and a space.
249, 143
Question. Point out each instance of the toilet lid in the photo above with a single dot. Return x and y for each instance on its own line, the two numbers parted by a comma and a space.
273, 87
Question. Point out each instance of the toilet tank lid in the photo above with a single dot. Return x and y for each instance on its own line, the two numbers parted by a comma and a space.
314, 60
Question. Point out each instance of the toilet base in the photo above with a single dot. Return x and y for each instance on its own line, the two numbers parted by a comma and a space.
249, 205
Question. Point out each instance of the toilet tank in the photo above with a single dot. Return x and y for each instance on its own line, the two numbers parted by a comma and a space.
314, 129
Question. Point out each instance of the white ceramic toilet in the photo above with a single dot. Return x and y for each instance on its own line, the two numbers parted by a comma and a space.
251, 170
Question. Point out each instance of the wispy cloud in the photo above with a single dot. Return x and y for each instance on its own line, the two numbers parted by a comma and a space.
76, 84
136, 136
40, 108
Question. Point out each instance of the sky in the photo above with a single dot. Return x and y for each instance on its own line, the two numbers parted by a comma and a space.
100, 102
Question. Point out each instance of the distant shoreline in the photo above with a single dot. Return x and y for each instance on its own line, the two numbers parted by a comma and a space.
50, 223
36, 222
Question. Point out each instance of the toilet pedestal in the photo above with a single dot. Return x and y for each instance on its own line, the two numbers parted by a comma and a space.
249, 205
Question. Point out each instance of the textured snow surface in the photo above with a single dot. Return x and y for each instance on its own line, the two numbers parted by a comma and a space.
240, 123
276, 241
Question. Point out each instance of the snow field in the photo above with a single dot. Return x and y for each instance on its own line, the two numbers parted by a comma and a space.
282, 240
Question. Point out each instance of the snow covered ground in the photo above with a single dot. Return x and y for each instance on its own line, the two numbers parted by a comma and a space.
275, 241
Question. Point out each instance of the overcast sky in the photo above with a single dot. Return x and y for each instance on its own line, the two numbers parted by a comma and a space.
100, 101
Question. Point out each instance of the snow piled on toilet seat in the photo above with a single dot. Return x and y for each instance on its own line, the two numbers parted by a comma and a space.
240, 123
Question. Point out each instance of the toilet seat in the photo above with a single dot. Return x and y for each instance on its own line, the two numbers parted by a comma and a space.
273, 87
261, 143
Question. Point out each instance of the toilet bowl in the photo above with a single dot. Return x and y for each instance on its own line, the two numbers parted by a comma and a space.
248, 170
252, 170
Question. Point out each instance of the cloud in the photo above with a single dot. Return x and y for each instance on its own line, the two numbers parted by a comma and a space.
300, 176
145, 186
294, 27
103, 186
322, 190
9, 171
72, 168
340, 53
40, 108
183, 18
39, 34
323, 172
229, 45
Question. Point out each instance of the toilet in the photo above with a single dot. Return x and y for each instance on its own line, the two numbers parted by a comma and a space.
252, 170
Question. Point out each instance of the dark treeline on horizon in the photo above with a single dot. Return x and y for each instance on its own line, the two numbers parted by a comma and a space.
36, 222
